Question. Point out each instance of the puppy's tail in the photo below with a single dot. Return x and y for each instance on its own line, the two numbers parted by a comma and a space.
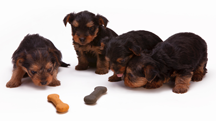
63, 64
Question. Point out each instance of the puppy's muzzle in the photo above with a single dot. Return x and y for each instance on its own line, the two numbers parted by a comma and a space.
82, 39
43, 82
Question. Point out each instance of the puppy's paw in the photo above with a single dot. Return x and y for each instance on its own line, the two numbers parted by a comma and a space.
114, 78
197, 77
12, 84
180, 89
101, 71
55, 83
153, 85
81, 67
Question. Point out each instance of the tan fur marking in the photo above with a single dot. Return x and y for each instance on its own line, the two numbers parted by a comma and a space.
49, 65
102, 46
102, 66
67, 20
17, 75
154, 84
134, 52
55, 81
119, 60
90, 24
34, 67
199, 72
91, 38
182, 83
107, 59
101, 22
75, 23
139, 82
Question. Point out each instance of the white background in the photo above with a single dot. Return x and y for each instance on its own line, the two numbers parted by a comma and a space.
163, 17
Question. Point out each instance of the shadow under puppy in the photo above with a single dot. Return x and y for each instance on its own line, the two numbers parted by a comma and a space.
181, 58
88, 30
121, 49
37, 58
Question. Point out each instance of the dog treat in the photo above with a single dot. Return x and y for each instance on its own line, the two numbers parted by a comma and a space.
93, 97
60, 106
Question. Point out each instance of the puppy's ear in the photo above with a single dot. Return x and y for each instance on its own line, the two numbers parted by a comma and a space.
134, 48
55, 56
102, 20
18, 59
150, 73
68, 18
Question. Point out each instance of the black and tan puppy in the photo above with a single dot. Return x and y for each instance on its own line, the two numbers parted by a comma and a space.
39, 59
88, 30
181, 58
121, 49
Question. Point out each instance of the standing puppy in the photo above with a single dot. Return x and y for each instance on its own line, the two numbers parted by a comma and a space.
182, 58
88, 30
37, 57
121, 49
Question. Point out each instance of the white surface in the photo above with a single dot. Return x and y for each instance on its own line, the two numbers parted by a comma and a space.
163, 17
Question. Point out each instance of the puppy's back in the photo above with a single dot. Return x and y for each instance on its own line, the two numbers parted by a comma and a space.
31, 43
189, 47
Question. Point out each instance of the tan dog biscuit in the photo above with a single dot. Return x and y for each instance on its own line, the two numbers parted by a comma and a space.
60, 106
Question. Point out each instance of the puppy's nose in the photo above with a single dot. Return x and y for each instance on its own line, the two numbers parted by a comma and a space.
82, 39
43, 82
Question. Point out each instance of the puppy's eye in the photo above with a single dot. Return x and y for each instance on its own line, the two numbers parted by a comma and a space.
91, 28
74, 28
122, 61
33, 72
130, 75
49, 70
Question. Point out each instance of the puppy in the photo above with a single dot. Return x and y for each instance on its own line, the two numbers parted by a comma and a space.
121, 49
181, 58
88, 30
39, 58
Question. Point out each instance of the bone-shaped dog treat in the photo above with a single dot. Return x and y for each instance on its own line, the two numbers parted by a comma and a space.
93, 97
60, 106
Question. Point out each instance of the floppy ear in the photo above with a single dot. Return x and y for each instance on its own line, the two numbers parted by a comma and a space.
18, 59
150, 73
68, 18
134, 48
55, 56
102, 20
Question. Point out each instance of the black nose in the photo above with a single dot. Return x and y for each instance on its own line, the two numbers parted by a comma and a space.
43, 82
82, 39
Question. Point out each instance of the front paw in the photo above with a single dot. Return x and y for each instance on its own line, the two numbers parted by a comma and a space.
55, 83
81, 67
180, 89
12, 84
101, 71
153, 85
114, 78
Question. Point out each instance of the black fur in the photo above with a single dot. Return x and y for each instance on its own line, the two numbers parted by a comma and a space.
88, 30
33, 44
179, 55
127, 45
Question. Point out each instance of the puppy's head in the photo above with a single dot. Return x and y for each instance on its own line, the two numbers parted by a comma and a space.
85, 26
119, 52
40, 65
140, 70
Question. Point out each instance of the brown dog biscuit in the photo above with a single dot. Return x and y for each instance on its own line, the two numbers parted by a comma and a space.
93, 97
60, 106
